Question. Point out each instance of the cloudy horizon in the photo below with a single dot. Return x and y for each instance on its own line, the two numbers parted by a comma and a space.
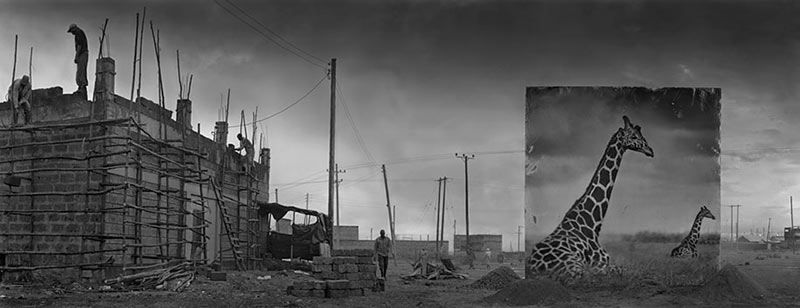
422, 80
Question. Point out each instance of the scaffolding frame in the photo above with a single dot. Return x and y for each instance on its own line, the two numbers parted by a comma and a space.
135, 189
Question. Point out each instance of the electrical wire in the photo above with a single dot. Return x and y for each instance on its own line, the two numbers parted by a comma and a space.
360, 140
273, 32
287, 107
269, 37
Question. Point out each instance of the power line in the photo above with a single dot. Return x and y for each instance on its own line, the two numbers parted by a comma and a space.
273, 32
355, 128
269, 37
287, 107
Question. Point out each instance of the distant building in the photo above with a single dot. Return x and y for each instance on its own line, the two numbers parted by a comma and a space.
345, 233
479, 242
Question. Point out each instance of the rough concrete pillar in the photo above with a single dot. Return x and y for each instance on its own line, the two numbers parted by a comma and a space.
104, 80
264, 174
221, 132
184, 113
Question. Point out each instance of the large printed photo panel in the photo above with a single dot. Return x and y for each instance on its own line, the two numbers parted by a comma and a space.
622, 184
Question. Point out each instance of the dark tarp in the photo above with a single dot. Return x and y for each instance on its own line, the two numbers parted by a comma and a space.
305, 239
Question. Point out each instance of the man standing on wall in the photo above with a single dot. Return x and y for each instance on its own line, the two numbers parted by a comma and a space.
383, 246
19, 95
81, 58
248, 147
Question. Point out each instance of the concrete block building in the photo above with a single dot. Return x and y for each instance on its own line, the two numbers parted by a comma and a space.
93, 189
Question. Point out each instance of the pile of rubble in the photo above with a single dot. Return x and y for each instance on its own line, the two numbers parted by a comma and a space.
347, 273
497, 279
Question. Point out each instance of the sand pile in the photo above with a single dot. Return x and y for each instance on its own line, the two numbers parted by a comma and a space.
732, 285
530, 292
496, 279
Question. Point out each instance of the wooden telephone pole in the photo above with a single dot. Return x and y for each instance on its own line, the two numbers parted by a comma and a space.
438, 216
389, 208
791, 227
332, 151
465, 158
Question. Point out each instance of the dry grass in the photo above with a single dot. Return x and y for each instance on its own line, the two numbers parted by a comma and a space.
649, 265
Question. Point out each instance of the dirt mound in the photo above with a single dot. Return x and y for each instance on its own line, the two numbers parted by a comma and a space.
732, 285
496, 279
530, 292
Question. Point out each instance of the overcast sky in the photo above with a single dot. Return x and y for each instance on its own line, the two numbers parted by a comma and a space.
567, 133
431, 78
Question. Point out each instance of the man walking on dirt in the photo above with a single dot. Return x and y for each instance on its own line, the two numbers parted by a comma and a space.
383, 246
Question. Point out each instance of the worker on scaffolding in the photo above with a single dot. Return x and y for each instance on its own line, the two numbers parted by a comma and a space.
19, 95
246, 145
81, 58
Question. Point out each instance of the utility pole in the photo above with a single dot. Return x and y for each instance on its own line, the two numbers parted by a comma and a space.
791, 228
332, 150
465, 158
769, 222
444, 206
389, 208
519, 232
731, 206
737, 225
438, 216
305, 219
337, 181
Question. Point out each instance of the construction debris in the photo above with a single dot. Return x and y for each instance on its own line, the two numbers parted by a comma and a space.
175, 278
496, 279
433, 272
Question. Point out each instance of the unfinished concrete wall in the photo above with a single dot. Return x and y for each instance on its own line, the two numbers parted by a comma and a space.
403, 249
80, 184
57, 205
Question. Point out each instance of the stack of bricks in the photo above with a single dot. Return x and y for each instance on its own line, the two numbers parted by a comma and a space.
347, 273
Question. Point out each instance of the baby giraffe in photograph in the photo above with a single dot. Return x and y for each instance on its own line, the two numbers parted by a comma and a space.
688, 247
573, 248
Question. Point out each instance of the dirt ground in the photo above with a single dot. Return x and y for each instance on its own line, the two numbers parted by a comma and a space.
778, 273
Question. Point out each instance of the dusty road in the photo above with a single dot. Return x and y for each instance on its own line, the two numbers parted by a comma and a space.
779, 275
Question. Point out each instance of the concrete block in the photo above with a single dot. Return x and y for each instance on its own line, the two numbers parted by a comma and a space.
302, 293
303, 285
352, 276
344, 260
364, 260
322, 260
337, 293
367, 268
330, 276
338, 284
320, 285
318, 268
318, 293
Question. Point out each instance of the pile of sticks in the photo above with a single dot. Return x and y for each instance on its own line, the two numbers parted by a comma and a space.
433, 272
174, 278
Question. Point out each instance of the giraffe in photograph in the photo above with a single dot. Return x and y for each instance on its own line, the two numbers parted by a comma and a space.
688, 247
573, 249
